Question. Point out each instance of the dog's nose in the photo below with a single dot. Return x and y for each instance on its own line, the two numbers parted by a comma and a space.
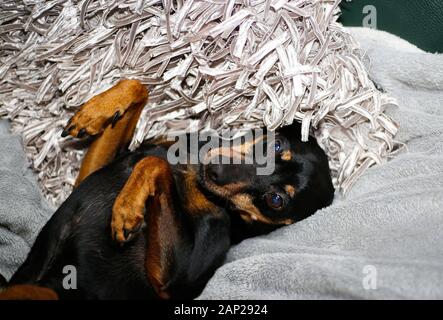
223, 174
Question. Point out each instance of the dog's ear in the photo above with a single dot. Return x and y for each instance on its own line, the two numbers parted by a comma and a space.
292, 131
183, 250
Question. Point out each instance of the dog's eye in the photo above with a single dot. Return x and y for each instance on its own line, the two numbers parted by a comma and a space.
274, 200
277, 146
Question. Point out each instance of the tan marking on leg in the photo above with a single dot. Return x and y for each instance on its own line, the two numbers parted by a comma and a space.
104, 149
147, 176
128, 97
28, 292
95, 115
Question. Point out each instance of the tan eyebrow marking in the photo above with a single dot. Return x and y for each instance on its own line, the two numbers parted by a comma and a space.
250, 213
235, 151
290, 190
286, 155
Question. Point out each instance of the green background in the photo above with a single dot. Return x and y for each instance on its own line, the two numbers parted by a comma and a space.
418, 21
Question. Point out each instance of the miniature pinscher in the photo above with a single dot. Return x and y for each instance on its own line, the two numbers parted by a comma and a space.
139, 227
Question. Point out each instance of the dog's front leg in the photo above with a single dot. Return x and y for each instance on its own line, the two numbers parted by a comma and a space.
150, 177
182, 249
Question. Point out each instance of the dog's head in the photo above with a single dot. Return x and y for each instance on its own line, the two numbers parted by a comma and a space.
299, 185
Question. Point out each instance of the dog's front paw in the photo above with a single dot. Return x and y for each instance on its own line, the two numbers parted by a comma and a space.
127, 220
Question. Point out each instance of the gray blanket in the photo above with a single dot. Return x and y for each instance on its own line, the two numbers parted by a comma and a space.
23, 211
384, 240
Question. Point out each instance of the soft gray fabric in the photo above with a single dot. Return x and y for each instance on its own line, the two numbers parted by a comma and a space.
23, 212
391, 220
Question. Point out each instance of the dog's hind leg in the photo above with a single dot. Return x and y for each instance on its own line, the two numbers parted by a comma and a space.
105, 147
28, 292
111, 117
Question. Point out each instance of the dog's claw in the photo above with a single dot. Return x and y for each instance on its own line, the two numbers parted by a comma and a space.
66, 131
128, 237
115, 118
130, 234
127, 234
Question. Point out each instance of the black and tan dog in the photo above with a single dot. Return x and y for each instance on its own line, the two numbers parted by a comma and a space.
180, 219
